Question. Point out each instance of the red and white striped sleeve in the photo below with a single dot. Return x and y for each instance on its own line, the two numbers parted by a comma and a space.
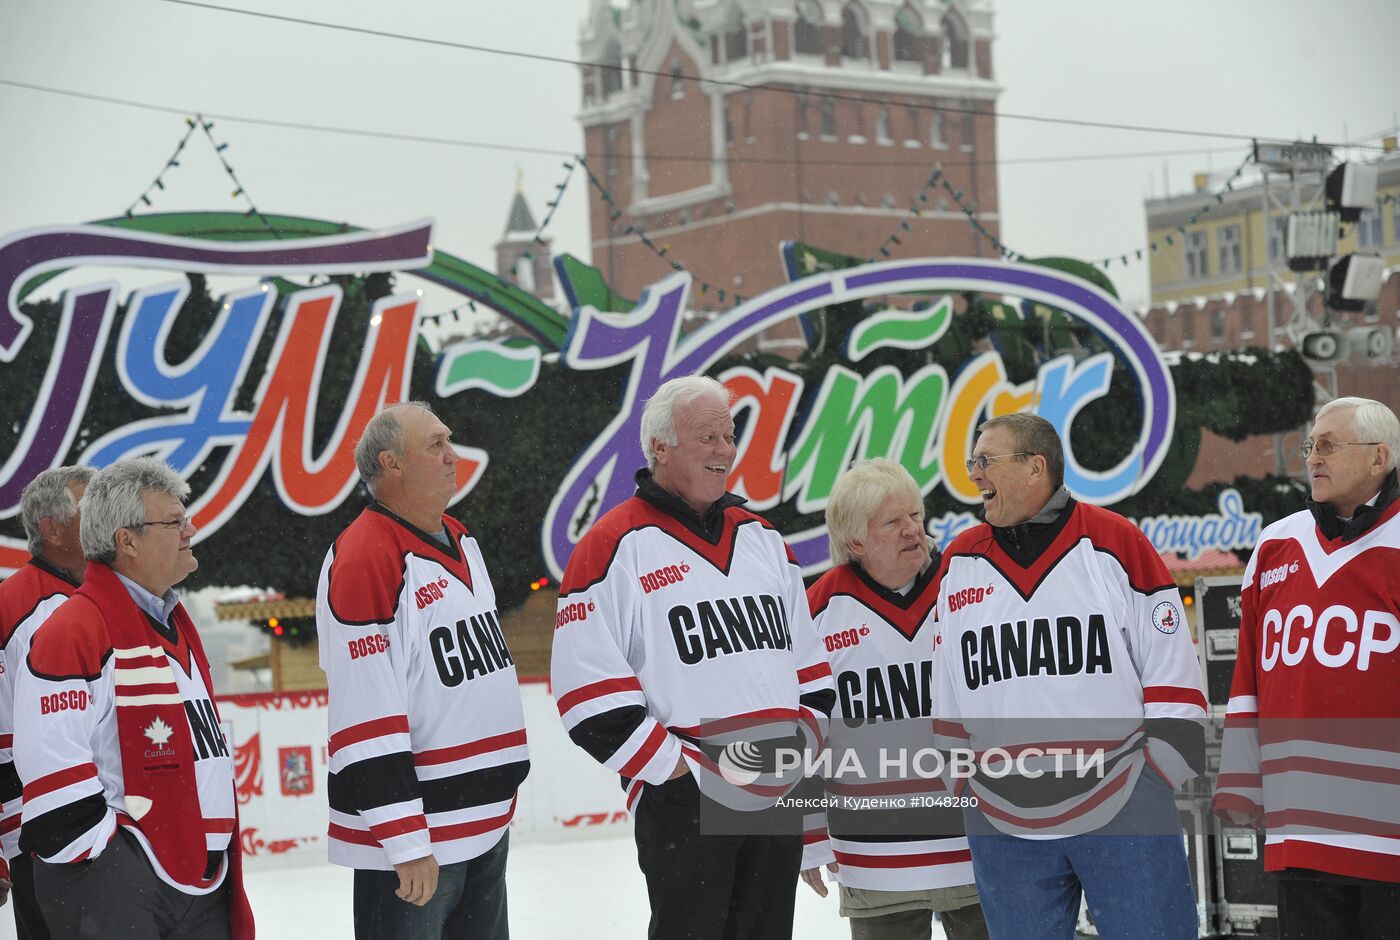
1240, 786
359, 611
599, 696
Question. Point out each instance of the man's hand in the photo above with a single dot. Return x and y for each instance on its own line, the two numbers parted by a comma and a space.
813, 877
4, 891
682, 768
417, 880
1242, 818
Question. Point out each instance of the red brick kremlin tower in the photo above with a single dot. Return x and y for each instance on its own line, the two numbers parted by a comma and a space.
720, 175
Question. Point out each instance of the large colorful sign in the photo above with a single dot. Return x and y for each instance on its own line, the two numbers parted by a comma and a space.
799, 430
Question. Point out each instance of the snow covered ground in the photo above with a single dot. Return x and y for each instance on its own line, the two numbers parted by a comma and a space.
583, 887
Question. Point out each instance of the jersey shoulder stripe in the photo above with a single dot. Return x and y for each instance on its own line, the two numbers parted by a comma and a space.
593, 557
905, 612
368, 559
1106, 532
23, 592
74, 643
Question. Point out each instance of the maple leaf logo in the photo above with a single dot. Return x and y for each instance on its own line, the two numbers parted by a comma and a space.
159, 732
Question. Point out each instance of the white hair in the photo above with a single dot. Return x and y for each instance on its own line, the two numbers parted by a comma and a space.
48, 497
857, 496
114, 500
659, 415
383, 433
1372, 420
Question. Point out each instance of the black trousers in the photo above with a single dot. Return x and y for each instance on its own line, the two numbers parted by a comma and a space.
711, 887
1315, 904
118, 895
29, 920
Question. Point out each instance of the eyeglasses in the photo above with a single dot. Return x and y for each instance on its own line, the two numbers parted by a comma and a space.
982, 460
1326, 448
177, 524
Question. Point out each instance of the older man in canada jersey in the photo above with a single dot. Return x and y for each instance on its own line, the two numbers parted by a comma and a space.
48, 507
685, 658
874, 611
1312, 731
129, 802
1068, 670
427, 732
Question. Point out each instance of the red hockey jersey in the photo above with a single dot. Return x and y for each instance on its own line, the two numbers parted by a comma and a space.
1312, 730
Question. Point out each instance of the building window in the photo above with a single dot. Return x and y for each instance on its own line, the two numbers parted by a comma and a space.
953, 48
882, 127
1188, 326
1247, 321
1278, 238
677, 79
612, 70
832, 199
802, 110
908, 36
1196, 255
728, 126
736, 37
1217, 324
887, 201
1368, 229
808, 36
1228, 243
969, 127
855, 44
828, 125
936, 138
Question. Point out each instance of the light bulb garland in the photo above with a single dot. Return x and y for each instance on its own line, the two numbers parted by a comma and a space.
158, 183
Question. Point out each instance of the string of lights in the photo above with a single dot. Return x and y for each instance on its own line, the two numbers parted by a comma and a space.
663, 250
159, 182
238, 188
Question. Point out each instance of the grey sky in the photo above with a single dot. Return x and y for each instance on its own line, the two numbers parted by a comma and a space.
1256, 67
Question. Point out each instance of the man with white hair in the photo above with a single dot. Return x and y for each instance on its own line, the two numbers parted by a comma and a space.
684, 659
48, 508
129, 804
427, 731
1312, 732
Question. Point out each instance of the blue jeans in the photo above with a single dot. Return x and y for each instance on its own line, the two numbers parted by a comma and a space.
470, 902
1133, 874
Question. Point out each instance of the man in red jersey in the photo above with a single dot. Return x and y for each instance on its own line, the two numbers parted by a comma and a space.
1312, 732
48, 508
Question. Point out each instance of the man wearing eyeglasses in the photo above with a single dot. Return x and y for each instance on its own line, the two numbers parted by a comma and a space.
129, 804
1311, 748
1061, 651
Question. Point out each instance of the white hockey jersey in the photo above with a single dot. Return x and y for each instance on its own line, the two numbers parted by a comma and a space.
1077, 657
427, 732
1312, 731
26, 599
881, 645
673, 643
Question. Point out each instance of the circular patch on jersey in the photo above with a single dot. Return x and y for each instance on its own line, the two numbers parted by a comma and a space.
740, 763
1166, 618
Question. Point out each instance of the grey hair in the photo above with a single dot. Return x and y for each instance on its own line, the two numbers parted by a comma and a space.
659, 415
383, 432
114, 500
1372, 420
1033, 435
47, 497
857, 496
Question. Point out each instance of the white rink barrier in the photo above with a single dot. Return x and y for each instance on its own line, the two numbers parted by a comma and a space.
280, 762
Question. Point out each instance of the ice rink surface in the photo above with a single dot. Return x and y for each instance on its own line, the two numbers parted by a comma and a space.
583, 887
